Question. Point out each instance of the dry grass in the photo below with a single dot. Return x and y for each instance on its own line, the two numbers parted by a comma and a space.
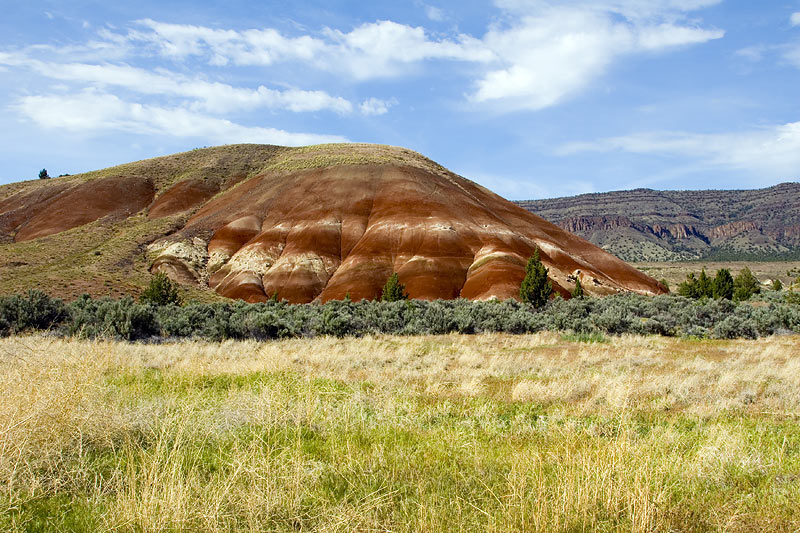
490, 432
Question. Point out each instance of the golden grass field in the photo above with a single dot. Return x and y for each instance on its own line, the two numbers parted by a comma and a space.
539, 432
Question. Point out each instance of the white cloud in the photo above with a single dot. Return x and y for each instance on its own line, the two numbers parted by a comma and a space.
772, 151
92, 111
545, 53
376, 106
792, 54
752, 53
434, 13
795, 19
552, 53
372, 50
211, 96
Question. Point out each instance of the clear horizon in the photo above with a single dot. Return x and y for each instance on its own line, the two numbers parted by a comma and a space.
531, 99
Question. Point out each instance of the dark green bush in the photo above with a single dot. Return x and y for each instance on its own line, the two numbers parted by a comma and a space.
34, 310
118, 319
161, 291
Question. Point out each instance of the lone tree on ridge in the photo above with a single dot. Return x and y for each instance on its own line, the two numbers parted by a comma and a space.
43, 175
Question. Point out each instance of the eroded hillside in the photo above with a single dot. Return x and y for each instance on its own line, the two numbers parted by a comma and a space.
311, 223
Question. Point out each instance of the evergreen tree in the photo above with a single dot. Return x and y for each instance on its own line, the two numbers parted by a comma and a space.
43, 175
394, 291
777, 285
535, 288
688, 288
577, 292
745, 285
704, 285
161, 291
722, 287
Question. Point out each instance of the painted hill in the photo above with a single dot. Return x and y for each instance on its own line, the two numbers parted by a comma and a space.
311, 224
648, 225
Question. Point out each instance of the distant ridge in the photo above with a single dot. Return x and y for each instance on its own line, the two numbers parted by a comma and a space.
651, 225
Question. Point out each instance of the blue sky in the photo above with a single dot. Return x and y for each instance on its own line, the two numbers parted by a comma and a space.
530, 98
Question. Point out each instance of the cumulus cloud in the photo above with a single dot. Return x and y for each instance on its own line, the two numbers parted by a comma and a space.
770, 151
543, 53
93, 111
371, 50
536, 55
795, 19
549, 53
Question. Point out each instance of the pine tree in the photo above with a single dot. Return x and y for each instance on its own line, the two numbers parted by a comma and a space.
722, 287
535, 288
394, 291
43, 175
577, 292
161, 291
745, 285
777, 286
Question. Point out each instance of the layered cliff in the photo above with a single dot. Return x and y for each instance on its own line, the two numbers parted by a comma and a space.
649, 225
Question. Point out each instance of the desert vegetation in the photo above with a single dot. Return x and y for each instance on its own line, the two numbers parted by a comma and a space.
543, 432
723, 285
668, 315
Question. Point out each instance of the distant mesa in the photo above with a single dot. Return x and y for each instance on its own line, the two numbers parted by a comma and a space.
313, 224
649, 225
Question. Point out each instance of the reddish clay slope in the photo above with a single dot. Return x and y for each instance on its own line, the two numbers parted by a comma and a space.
312, 224
322, 233
59, 207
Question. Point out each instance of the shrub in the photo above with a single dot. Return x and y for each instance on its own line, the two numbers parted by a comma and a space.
161, 291
34, 310
119, 319
535, 288
43, 175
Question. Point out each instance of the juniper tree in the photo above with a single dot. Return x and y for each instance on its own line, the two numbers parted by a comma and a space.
745, 285
722, 286
161, 291
704, 285
577, 292
535, 288
393, 290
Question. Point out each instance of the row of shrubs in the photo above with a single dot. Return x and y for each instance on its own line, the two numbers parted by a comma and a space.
670, 315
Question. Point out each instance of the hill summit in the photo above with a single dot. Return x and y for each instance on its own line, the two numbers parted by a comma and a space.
308, 224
